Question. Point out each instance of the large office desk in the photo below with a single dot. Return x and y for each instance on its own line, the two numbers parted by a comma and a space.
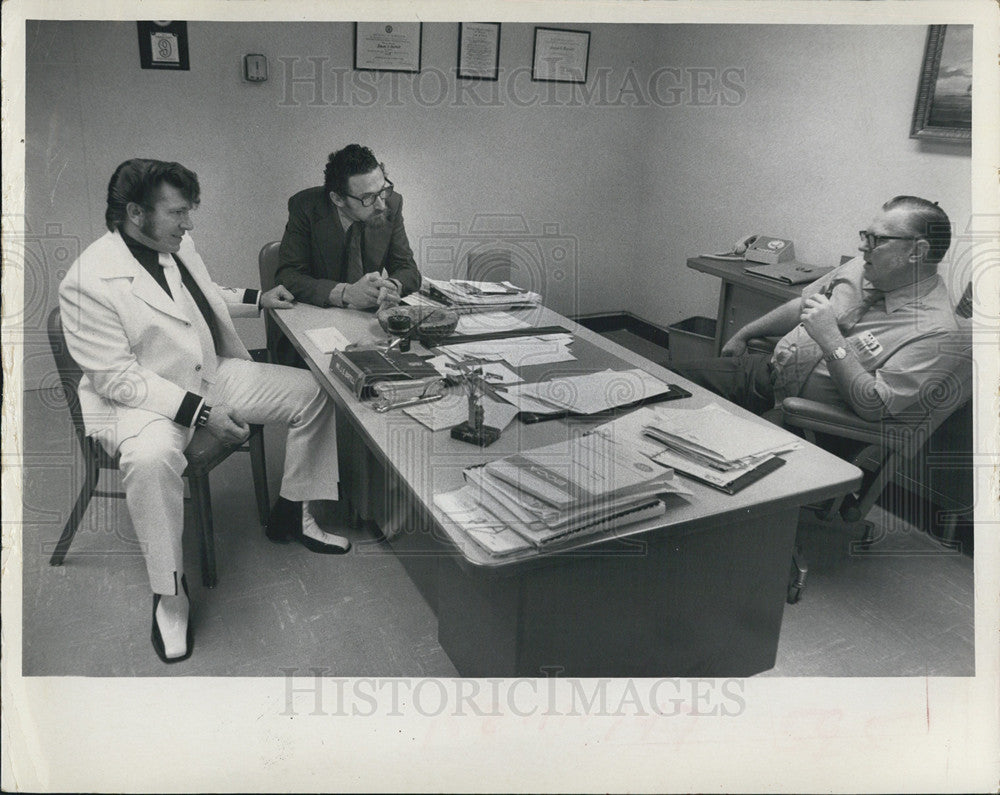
742, 297
697, 592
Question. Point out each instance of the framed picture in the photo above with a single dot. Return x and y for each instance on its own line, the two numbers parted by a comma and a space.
163, 45
560, 56
387, 46
943, 111
478, 50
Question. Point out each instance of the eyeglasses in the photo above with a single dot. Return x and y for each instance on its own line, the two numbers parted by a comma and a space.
872, 240
370, 198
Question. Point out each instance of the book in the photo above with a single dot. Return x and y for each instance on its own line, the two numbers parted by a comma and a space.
361, 368
462, 295
582, 471
500, 536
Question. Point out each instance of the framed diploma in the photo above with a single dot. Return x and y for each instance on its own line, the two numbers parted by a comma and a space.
163, 45
560, 55
387, 46
478, 50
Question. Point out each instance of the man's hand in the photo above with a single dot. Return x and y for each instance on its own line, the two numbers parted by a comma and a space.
364, 293
225, 425
735, 346
279, 297
820, 321
389, 294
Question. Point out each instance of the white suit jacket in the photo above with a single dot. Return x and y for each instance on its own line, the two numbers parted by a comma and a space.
140, 355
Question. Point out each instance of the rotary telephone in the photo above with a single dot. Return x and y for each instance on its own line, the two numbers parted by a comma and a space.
759, 248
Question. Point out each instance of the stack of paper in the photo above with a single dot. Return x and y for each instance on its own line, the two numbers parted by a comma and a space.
532, 499
586, 394
515, 351
715, 446
462, 295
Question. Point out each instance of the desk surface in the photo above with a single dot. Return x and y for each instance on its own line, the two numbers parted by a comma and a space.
732, 271
431, 462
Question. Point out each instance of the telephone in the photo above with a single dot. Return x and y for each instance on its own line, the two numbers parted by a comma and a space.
759, 248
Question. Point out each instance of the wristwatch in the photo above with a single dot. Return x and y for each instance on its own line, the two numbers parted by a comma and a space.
838, 353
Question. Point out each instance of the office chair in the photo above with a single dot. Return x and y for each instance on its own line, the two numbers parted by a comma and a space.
203, 454
267, 265
889, 446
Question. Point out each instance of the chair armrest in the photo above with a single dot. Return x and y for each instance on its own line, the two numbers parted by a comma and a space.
822, 418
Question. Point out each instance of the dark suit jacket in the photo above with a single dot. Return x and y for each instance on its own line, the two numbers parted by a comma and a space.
310, 261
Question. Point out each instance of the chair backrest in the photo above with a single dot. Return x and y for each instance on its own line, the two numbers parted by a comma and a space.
267, 265
67, 368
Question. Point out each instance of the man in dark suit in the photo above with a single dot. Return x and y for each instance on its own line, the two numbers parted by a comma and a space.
341, 236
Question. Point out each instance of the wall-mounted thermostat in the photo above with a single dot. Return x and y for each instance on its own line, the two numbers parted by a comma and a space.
255, 67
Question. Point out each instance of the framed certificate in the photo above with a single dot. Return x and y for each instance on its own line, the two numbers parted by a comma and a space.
478, 50
163, 45
560, 55
387, 46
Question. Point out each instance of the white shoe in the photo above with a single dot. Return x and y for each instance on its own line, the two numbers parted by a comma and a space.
316, 539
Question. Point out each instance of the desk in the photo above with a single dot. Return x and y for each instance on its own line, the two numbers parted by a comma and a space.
697, 592
743, 297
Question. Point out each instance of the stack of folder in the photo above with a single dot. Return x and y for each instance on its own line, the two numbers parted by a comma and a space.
716, 447
469, 296
535, 499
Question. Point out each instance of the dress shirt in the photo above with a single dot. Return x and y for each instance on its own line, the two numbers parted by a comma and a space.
896, 336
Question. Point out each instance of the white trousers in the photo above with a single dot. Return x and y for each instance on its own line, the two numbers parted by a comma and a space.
153, 460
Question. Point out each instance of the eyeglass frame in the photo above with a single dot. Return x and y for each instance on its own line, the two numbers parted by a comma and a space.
384, 193
873, 241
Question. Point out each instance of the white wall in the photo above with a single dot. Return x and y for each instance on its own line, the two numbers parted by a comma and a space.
820, 142
625, 184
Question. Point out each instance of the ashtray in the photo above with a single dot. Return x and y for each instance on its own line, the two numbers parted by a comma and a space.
427, 324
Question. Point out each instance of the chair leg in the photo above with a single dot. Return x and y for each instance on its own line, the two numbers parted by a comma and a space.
258, 463
202, 500
797, 576
87, 490
855, 510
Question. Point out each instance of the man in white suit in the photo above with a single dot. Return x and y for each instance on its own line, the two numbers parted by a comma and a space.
161, 357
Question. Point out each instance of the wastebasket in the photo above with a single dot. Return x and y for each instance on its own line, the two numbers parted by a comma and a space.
693, 338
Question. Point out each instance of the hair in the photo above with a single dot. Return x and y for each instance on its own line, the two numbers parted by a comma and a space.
138, 180
350, 161
926, 220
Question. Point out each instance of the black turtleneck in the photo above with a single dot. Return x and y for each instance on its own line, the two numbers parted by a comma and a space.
150, 260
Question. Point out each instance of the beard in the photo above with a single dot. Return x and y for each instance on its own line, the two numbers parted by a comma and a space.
377, 221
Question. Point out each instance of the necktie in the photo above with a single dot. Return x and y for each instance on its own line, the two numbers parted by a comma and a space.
353, 266
869, 297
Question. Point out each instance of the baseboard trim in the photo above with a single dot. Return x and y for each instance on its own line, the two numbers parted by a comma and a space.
618, 321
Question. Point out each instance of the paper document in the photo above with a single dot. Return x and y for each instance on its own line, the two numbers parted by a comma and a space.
489, 322
587, 394
328, 339
630, 430
479, 524
579, 472
714, 433
710, 475
452, 410
516, 351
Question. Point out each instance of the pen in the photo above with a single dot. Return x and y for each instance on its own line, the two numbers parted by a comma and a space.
381, 408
